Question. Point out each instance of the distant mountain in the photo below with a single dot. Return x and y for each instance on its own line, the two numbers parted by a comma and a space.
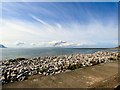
2, 46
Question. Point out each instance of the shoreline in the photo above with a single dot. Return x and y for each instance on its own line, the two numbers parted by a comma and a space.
21, 68
30, 55
98, 76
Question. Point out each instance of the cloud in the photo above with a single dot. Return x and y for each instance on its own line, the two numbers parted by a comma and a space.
72, 34
19, 43
39, 20
56, 43
60, 43
45, 25
75, 44
33, 44
59, 26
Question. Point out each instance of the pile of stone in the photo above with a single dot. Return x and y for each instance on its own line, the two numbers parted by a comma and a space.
21, 68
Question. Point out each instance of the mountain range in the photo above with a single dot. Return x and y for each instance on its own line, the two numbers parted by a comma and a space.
2, 46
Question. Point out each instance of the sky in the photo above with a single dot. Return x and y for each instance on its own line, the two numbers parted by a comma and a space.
60, 0
59, 24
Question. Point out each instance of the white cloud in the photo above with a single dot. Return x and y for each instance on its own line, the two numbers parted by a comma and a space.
71, 44
59, 26
60, 43
19, 43
39, 20
74, 34
56, 43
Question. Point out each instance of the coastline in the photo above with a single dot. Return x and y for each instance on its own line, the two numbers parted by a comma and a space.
13, 53
21, 68
98, 76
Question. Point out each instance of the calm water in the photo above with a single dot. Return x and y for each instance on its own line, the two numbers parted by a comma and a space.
8, 53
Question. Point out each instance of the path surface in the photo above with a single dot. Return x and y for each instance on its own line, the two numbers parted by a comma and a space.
103, 75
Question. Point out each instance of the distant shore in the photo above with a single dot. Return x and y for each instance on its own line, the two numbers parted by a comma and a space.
21, 68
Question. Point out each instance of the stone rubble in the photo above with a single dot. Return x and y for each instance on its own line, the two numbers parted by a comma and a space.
21, 68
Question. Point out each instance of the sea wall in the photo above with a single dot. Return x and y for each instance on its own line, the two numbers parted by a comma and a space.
21, 68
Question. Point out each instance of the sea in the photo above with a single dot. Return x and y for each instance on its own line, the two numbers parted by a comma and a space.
12, 53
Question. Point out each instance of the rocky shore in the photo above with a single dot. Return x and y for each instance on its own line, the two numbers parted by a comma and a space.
21, 68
